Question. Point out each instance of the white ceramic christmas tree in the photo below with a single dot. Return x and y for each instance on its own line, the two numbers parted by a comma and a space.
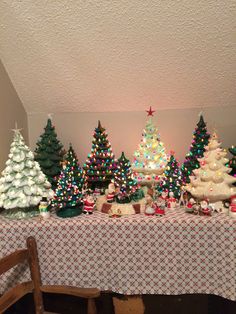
212, 180
150, 158
22, 184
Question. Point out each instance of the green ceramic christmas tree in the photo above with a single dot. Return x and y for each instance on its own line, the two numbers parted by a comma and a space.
196, 151
172, 179
48, 153
100, 165
68, 194
124, 178
232, 162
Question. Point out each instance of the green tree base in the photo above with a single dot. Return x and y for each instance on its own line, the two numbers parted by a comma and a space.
70, 212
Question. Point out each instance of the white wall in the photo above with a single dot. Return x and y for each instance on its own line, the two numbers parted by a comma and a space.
125, 128
11, 111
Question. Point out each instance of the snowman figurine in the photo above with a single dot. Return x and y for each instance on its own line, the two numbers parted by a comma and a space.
43, 208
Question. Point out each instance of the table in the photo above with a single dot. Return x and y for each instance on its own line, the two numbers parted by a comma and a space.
175, 254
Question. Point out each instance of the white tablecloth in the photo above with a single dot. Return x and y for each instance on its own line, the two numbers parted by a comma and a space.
175, 254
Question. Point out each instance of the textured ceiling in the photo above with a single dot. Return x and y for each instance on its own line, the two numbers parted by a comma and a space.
119, 55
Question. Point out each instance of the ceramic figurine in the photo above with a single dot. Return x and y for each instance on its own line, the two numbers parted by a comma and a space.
89, 204
171, 201
205, 208
43, 208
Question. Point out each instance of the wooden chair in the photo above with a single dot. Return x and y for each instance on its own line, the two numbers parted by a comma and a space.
35, 285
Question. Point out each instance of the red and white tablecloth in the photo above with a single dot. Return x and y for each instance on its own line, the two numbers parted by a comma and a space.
176, 254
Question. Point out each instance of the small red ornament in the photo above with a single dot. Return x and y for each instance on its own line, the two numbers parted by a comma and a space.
150, 111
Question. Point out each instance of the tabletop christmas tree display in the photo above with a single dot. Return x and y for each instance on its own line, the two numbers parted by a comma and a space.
212, 180
150, 158
232, 162
100, 164
124, 177
197, 148
171, 180
68, 194
72, 161
48, 153
23, 184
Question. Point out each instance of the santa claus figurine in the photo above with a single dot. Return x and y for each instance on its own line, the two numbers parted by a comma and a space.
110, 193
189, 205
163, 198
149, 206
232, 207
160, 209
171, 201
89, 204
205, 208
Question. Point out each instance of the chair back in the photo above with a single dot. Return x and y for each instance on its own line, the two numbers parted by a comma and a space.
14, 294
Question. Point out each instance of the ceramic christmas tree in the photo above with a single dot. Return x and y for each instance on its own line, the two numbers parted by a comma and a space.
150, 158
172, 179
100, 165
68, 194
23, 184
197, 148
232, 162
212, 180
124, 177
72, 161
48, 153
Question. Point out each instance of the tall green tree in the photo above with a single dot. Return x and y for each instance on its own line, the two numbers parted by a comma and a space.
196, 151
49, 154
100, 164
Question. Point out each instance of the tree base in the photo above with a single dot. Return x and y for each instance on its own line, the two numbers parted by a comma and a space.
70, 212
21, 213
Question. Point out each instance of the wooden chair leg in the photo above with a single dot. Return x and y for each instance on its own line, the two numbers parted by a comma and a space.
35, 274
91, 307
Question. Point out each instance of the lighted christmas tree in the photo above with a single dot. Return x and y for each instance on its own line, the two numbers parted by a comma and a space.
172, 179
72, 161
197, 148
124, 177
232, 162
150, 158
49, 153
23, 184
68, 194
212, 180
100, 165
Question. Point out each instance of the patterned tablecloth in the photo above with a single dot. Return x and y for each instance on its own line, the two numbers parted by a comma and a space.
175, 254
